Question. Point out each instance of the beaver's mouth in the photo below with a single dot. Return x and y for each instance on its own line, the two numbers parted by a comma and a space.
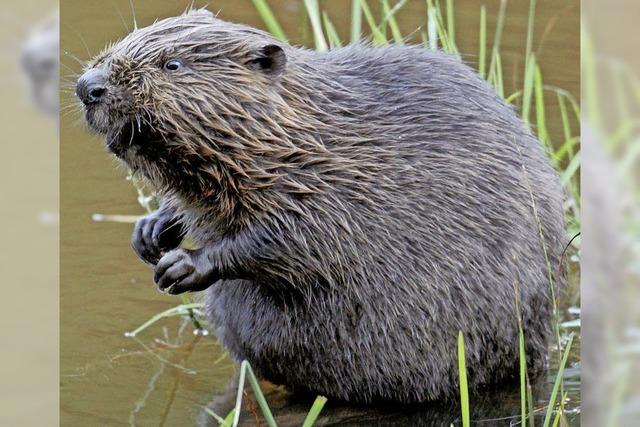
120, 139
135, 139
121, 133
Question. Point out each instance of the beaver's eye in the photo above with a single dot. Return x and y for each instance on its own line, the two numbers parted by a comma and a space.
173, 65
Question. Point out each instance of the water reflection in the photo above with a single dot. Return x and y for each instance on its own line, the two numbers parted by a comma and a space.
171, 368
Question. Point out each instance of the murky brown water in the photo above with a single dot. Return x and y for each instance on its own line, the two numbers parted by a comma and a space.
108, 379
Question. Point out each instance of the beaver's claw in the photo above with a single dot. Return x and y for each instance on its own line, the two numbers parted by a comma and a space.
154, 234
183, 270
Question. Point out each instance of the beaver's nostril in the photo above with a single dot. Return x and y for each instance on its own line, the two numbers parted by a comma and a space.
91, 86
96, 93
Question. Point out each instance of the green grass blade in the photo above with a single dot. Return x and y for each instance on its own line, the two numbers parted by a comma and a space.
246, 374
425, 38
432, 27
241, 381
215, 416
451, 23
356, 20
565, 149
556, 385
464, 387
529, 69
390, 14
447, 43
262, 402
523, 378
566, 125
378, 37
499, 78
269, 19
529, 83
228, 421
569, 172
186, 300
312, 416
482, 49
497, 38
382, 23
511, 98
530, 27
389, 17
558, 417
574, 105
182, 309
313, 11
541, 121
332, 34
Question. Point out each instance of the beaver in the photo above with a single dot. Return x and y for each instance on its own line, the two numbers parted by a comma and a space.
351, 210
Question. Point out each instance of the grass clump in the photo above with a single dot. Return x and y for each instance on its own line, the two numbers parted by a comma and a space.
233, 418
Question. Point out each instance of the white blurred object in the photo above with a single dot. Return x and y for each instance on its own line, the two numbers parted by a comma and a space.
48, 218
41, 62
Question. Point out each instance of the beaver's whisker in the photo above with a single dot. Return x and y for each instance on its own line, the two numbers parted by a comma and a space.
68, 81
82, 40
84, 43
137, 116
150, 121
69, 110
132, 133
70, 55
133, 12
68, 90
126, 27
70, 77
68, 106
71, 70
189, 7
65, 114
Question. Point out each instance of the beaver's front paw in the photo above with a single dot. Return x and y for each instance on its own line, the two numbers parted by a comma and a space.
184, 270
155, 233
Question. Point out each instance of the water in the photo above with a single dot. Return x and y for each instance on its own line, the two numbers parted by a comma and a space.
166, 375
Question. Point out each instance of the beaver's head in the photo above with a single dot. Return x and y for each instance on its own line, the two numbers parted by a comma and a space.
188, 96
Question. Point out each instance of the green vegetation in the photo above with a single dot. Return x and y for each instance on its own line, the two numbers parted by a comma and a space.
611, 99
246, 373
464, 388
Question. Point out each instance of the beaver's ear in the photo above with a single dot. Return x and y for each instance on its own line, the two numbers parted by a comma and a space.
269, 59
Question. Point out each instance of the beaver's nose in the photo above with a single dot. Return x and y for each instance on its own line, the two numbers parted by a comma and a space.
91, 86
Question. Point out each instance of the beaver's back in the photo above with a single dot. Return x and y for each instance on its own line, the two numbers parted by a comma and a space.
434, 233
